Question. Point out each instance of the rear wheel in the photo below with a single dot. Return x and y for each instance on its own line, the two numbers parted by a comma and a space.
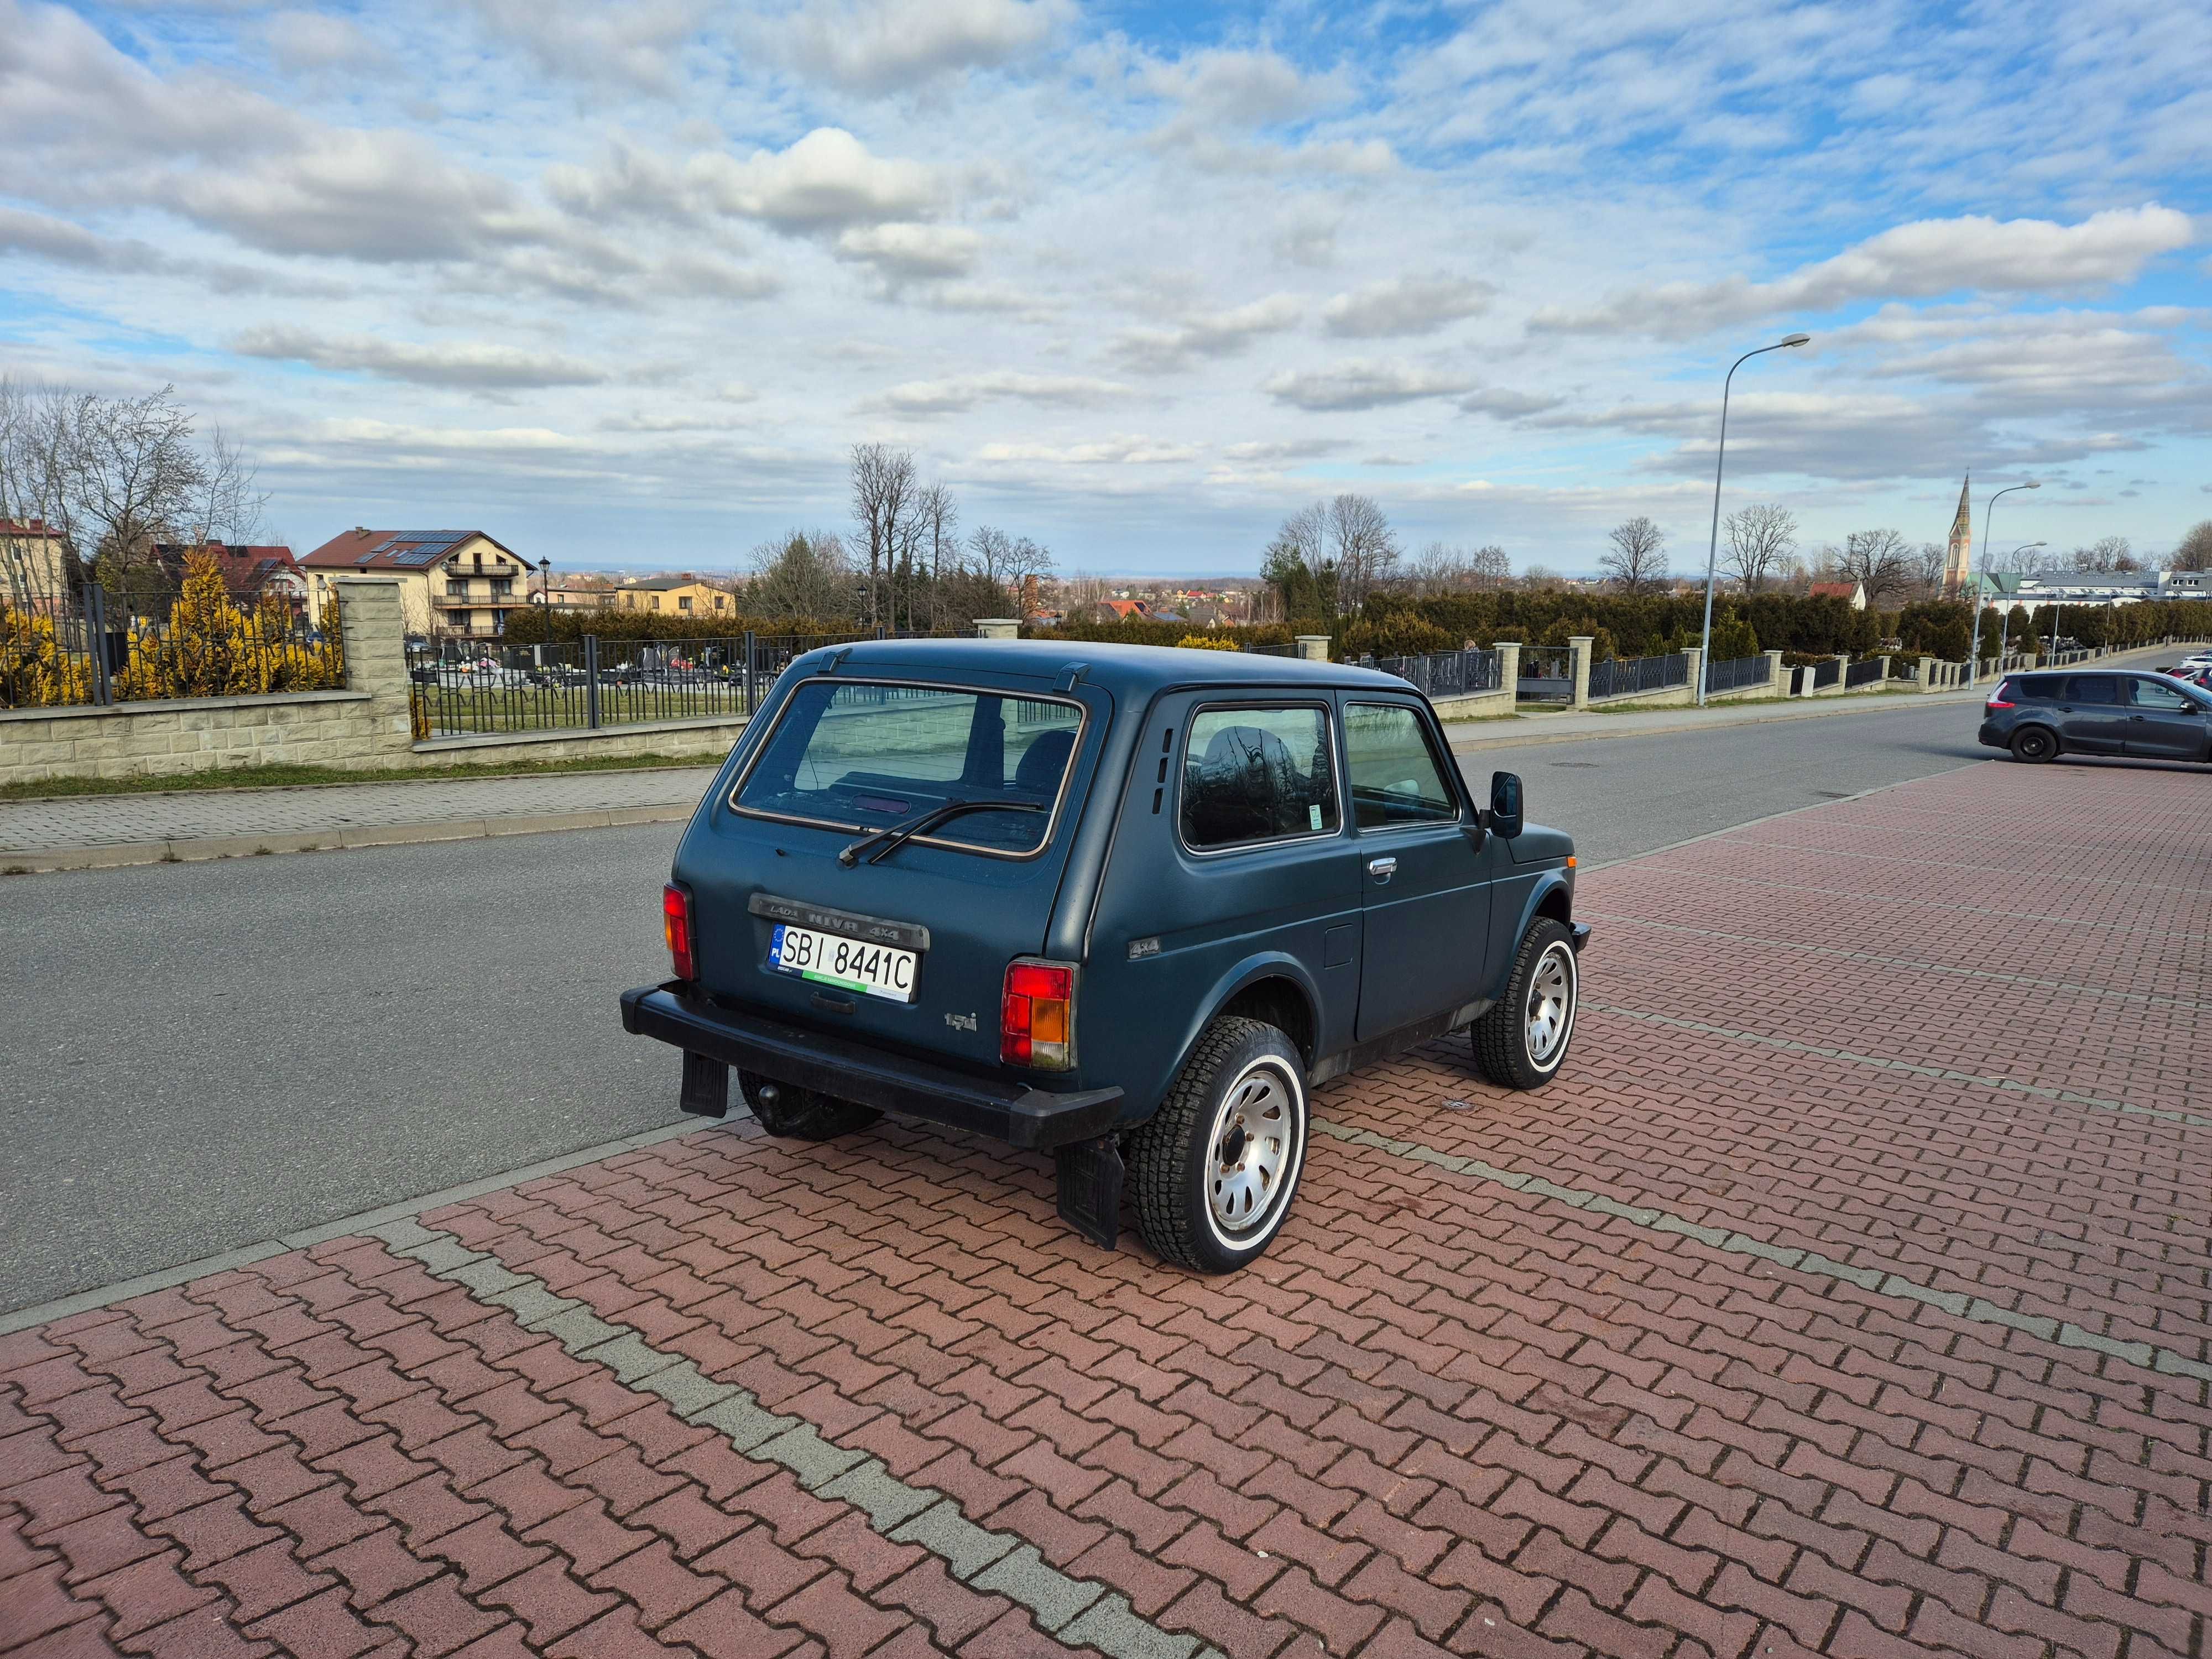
1520, 1041
2034, 744
1214, 1170
801, 1114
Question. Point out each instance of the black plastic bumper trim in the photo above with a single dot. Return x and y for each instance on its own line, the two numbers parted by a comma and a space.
1579, 935
1034, 1119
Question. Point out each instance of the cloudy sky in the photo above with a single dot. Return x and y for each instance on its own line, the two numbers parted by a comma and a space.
622, 285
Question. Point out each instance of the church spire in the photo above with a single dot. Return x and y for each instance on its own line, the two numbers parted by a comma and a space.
1958, 554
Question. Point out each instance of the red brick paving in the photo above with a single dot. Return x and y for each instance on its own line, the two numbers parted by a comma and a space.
1440, 1416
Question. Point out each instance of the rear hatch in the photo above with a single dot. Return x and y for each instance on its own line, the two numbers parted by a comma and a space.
858, 752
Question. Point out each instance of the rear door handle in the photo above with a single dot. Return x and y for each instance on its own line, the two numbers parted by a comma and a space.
1381, 869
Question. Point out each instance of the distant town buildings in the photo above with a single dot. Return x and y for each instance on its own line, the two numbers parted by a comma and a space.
1853, 592
674, 596
249, 573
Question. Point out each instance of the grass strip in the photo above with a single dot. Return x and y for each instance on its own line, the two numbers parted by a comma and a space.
277, 776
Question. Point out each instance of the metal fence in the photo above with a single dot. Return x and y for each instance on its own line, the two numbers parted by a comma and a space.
154, 642
1735, 674
1625, 676
1548, 674
1444, 673
465, 686
1270, 650
1865, 672
1826, 673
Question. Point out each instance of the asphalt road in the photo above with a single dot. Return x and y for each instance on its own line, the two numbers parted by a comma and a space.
199, 1057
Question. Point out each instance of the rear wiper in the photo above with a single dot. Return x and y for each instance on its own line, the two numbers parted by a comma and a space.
895, 835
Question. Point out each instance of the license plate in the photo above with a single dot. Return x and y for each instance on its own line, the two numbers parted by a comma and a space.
851, 965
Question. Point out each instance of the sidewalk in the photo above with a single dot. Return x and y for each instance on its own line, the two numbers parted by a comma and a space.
82, 832
1522, 730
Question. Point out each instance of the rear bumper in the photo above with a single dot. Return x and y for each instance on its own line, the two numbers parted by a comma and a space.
1579, 935
1993, 736
1005, 1109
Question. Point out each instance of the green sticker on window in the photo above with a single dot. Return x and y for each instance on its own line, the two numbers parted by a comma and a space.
1313, 816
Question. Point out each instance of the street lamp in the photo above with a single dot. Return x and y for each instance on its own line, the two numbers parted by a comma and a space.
1988, 511
545, 583
1713, 547
2005, 629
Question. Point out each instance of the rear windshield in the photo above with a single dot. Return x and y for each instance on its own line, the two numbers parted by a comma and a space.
850, 755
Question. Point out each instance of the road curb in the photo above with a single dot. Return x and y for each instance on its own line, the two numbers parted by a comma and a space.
1884, 705
201, 848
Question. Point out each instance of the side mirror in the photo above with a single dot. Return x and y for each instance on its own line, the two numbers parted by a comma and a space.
1506, 803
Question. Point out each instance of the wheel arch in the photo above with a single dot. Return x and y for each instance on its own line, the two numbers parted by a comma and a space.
1270, 986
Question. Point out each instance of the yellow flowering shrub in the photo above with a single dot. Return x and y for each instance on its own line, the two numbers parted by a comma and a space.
1206, 642
210, 648
35, 671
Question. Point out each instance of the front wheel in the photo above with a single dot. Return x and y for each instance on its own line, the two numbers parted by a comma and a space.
2034, 744
1520, 1041
1213, 1170
801, 1114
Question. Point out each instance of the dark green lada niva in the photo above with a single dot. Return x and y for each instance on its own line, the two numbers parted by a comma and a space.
1123, 904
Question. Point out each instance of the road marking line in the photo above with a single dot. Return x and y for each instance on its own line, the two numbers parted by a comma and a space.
1940, 1073
1980, 869
1078, 1611
1894, 961
1879, 1281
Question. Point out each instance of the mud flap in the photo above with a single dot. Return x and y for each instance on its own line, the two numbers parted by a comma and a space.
1090, 1177
706, 1086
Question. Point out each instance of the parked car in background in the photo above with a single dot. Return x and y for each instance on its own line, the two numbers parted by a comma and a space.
2041, 716
1121, 903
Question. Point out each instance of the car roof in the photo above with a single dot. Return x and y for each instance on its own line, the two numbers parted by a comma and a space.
1126, 670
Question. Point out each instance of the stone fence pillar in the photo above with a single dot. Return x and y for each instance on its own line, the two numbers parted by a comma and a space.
1695, 654
1313, 647
1509, 666
998, 627
1579, 647
1777, 675
373, 625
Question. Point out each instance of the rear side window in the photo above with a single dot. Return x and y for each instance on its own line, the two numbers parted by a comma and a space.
2093, 689
849, 755
2039, 688
1258, 773
1397, 777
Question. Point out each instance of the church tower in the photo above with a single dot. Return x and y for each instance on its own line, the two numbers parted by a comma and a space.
1959, 556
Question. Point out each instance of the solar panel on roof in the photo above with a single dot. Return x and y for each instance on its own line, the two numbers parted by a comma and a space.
419, 555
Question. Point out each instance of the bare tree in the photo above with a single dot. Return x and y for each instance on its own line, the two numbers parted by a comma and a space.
1759, 538
994, 551
883, 489
2109, 555
804, 575
1025, 559
2194, 550
1541, 579
1924, 567
1879, 560
938, 517
1357, 535
1442, 568
1637, 563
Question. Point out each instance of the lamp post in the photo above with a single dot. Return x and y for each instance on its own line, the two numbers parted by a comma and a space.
1713, 547
2004, 627
1988, 511
545, 583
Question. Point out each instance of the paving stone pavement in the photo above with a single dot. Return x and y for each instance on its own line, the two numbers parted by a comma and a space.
1827, 1302
200, 814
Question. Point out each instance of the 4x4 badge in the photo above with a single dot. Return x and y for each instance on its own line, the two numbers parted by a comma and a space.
1144, 947
961, 1022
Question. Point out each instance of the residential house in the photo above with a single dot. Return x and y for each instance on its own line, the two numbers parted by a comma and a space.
1854, 593
575, 596
31, 562
676, 596
451, 581
251, 573
2100, 588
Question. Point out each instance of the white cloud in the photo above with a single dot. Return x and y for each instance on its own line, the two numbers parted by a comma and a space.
471, 365
1921, 260
43, 238
1361, 384
878, 46
913, 250
1121, 450
636, 42
1294, 449
1213, 334
1406, 304
826, 180
963, 392
307, 40
1217, 88
1506, 404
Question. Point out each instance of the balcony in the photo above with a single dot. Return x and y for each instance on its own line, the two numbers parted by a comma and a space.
457, 596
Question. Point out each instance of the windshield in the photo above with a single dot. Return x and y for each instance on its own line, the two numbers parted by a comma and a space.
852, 755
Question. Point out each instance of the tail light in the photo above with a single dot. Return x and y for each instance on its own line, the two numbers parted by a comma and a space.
676, 928
1036, 1016
1997, 699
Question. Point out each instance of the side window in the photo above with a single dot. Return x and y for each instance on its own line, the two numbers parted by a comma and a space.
2040, 687
1396, 775
1257, 774
2093, 689
2149, 693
